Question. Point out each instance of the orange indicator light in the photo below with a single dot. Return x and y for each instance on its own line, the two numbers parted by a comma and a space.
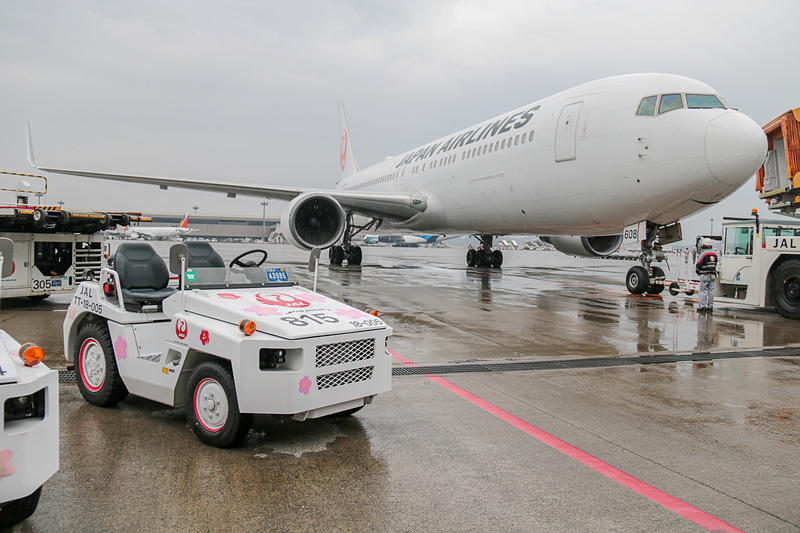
31, 354
248, 327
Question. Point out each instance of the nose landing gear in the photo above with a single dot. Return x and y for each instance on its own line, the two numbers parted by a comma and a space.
647, 278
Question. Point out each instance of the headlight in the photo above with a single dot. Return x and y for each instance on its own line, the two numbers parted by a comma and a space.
30, 406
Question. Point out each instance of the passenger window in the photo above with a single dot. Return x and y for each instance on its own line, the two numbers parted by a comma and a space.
670, 102
703, 101
647, 107
738, 241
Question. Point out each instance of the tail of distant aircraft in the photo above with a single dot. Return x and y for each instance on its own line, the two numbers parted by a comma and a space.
347, 158
185, 222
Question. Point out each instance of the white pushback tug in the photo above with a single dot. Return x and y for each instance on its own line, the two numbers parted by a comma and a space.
231, 342
29, 431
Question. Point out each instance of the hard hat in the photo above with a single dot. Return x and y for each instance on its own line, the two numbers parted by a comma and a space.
707, 243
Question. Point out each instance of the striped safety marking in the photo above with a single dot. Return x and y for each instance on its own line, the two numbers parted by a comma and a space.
653, 494
26, 176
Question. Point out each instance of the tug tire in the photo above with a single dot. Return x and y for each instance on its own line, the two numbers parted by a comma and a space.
96, 366
212, 407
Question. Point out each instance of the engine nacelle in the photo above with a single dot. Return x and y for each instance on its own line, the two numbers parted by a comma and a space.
585, 246
313, 220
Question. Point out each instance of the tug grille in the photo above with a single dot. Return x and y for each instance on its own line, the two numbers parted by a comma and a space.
344, 352
337, 379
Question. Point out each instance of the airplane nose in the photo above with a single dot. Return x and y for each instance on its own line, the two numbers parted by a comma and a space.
735, 148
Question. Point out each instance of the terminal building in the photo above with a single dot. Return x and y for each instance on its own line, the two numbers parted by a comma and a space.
220, 227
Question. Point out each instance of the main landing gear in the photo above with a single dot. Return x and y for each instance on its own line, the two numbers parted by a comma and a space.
484, 256
337, 254
647, 278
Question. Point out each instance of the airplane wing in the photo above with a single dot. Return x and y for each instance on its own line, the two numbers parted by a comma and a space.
388, 206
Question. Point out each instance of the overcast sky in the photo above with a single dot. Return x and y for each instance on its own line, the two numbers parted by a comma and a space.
246, 91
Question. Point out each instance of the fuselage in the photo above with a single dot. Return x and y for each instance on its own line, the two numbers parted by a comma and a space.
160, 231
588, 161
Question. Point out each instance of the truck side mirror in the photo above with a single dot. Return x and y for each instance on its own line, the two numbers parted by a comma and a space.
7, 251
313, 259
176, 252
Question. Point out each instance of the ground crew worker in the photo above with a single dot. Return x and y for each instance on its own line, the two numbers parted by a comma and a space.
706, 268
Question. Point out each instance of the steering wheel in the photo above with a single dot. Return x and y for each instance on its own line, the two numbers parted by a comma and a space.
237, 261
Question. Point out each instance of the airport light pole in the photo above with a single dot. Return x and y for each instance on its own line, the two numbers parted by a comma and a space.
264, 222
195, 209
712, 225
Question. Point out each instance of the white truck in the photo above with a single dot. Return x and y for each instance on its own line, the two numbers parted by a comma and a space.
759, 265
52, 263
231, 342
29, 432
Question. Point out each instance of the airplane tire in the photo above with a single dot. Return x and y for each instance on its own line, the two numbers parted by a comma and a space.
212, 407
786, 289
656, 288
637, 280
471, 257
96, 366
16, 511
354, 256
480, 257
497, 259
336, 255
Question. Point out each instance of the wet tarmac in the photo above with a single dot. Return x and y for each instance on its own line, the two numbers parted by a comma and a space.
704, 441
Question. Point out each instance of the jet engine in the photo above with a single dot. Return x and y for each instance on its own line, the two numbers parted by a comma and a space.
585, 246
313, 220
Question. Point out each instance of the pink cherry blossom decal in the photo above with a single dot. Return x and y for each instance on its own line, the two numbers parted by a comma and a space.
204, 337
350, 313
6, 466
71, 311
121, 347
305, 385
263, 311
311, 297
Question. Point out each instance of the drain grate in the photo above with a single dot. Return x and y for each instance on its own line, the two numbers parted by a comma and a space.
68, 376
465, 368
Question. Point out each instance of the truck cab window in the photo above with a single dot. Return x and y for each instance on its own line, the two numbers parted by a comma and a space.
53, 258
738, 241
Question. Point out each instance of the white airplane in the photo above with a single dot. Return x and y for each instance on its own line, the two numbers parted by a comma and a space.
161, 231
582, 166
409, 241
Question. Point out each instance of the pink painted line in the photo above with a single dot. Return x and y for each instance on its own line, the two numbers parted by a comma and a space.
653, 494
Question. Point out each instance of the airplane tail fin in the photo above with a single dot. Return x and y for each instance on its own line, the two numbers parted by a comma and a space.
347, 158
185, 221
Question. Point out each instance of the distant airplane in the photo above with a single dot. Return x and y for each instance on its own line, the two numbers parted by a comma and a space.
630, 154
409, 241
161, 231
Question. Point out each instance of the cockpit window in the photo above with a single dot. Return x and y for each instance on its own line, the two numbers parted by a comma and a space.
670, 102
703, 101
647, 107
